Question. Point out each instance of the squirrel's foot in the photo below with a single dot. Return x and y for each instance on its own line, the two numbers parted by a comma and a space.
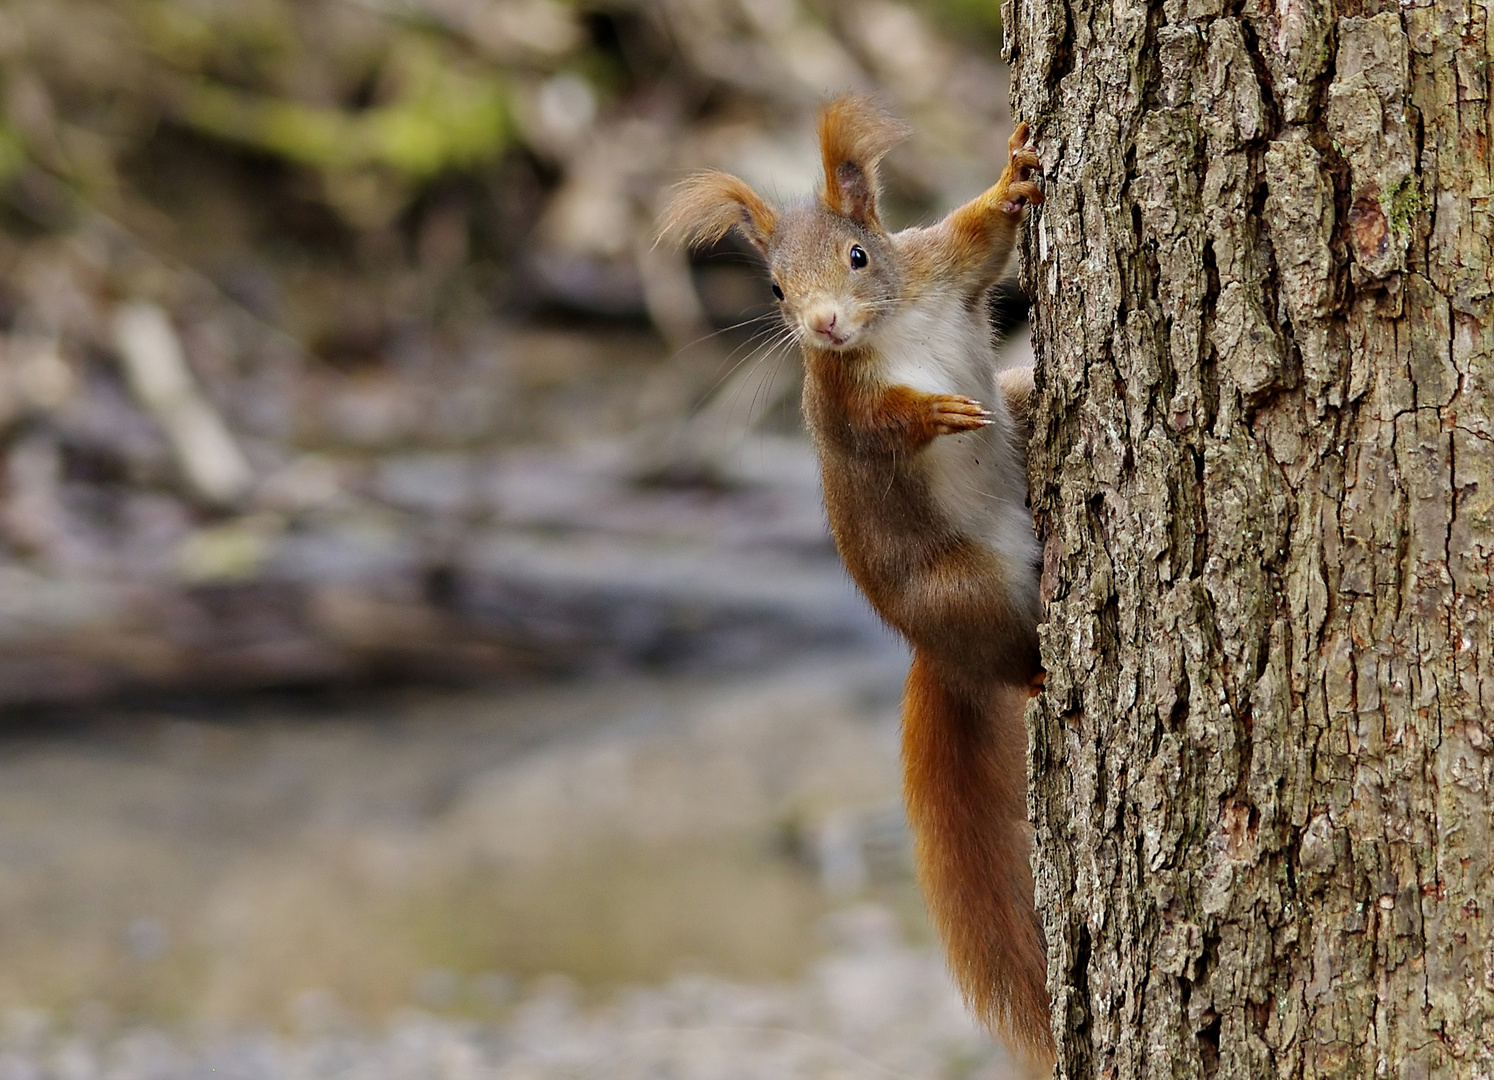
1022, 165
952, 414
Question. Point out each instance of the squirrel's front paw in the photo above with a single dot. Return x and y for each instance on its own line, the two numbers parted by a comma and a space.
953, 414
1022, 164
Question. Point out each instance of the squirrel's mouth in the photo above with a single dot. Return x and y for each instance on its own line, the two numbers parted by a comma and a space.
830, 337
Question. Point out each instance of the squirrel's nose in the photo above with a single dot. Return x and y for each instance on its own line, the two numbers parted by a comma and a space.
823, 321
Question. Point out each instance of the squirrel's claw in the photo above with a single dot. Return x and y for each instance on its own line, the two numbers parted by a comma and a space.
953, 414
1026, 163
1023, 171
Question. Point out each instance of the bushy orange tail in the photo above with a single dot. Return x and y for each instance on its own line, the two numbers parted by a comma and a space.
965, 778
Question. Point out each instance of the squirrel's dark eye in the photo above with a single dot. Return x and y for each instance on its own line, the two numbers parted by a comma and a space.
777, 291
858, 257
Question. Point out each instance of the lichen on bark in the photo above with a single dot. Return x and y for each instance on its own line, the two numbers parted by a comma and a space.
1263, 463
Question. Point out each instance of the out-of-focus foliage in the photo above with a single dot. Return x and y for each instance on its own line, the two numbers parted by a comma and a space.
272, 269
327, 85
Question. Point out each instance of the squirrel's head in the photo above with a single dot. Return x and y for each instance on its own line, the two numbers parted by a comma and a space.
834, 271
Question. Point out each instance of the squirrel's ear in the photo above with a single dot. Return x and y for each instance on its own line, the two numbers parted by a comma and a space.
710, 204
855, 134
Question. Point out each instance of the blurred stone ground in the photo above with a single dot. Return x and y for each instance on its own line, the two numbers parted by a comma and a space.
639, 877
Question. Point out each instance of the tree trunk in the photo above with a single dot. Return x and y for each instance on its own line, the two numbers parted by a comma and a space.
1264, 465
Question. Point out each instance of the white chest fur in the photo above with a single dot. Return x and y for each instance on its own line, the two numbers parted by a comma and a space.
938, 345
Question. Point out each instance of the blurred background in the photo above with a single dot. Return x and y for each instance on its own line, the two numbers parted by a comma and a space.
421, 649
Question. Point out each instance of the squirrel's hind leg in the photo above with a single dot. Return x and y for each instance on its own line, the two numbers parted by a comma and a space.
1015, 386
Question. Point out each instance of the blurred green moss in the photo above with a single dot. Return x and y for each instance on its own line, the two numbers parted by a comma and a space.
444, 118
12, 153
977, 17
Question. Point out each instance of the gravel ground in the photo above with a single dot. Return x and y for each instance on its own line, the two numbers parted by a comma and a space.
668, 877
874, 1007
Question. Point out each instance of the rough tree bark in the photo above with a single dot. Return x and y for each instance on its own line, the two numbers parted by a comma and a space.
1264, 460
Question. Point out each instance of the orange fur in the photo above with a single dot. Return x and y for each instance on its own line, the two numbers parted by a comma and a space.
966, 795
855, 134
710, 204
906, 419
948, 595
988, 223
964, 740
967, 609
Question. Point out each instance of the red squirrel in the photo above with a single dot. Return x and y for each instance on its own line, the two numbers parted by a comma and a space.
922, 447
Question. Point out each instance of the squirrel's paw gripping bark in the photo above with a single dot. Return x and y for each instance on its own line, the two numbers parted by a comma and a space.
1022, 164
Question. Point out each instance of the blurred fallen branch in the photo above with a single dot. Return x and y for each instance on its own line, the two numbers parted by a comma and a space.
156, 368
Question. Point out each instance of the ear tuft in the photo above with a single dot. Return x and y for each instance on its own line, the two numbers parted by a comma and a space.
855, 134
710, 204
